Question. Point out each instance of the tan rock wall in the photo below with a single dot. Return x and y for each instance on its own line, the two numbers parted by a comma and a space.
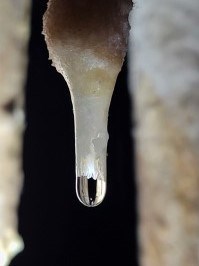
165, 86
14, 32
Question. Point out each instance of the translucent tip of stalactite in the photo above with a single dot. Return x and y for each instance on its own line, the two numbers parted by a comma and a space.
90, 192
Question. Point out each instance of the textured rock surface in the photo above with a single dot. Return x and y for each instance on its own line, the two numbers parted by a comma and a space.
87, 41
165, 78
14, 31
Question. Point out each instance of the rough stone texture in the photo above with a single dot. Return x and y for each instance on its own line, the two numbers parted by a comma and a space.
87, 42
165, 81
14, 32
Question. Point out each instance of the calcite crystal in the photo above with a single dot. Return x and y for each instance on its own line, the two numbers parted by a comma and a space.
14, 32
87, 42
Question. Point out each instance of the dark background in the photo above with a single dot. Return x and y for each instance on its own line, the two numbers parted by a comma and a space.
56, 228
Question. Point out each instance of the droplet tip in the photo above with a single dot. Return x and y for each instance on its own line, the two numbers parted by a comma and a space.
90, 192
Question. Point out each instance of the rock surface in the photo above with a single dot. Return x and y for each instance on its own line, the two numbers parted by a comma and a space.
14, 32
165, 86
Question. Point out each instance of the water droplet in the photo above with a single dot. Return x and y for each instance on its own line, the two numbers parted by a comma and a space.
90, 192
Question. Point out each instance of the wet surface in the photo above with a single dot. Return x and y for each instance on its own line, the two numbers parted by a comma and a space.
90, 192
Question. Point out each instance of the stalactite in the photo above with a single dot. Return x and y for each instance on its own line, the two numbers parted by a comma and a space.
87, 42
